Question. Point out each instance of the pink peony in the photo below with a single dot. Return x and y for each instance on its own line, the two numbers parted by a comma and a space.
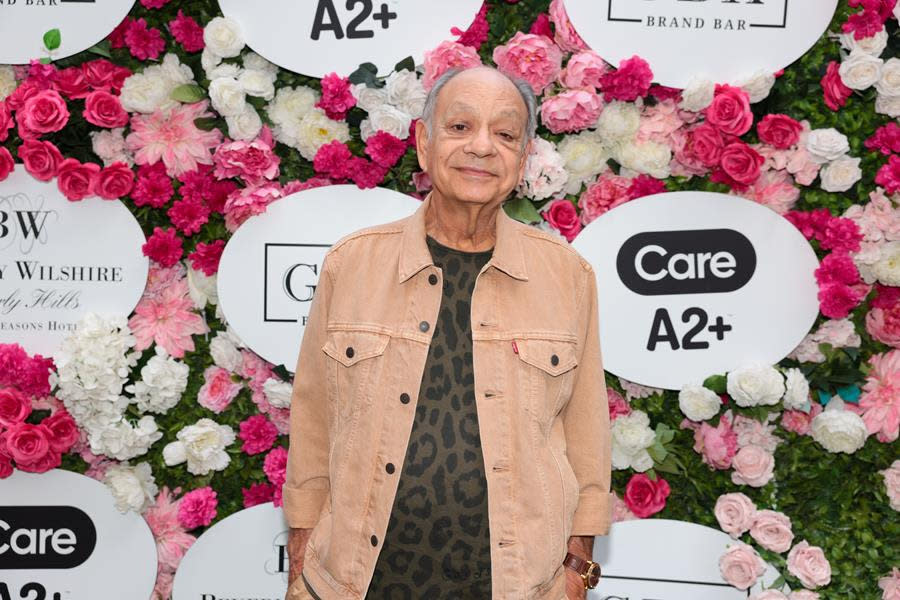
735, 513
254, 162
532, 58
243, 203
541, 26
584, 70
167, 319
197, 508
772, 530
336, 98
143, 42
716, 445
809, 565
753, 432
562, 216
836, 300
753, 466
218, 390
258, 493
30, 375
566, 37
880, 400
366, 173
645, 185
274, 466
448, 55
886, 139
741, 566
890, 585
629, 82
153, 187
187, 32
837, 267
883, 324
258, 434
333, 159
774, 189
730, 110
172, 136
659, 122
888, 175
206, 257
608, 192
164, 246
571, 110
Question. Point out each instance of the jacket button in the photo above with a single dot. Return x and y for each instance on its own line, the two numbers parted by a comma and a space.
432, 279
404, 398
423, 325
389, 467
554, 360
374, 540
349, 352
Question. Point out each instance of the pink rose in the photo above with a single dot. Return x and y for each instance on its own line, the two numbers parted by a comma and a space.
102, 74
809, 565
741, 163
197, 508
618, 406
741, 566
735, 513
730, 110
572, 110
14, 406
27, 443
448, 55
63, 431
115, 181
704, 142
566, 37
779, 130
562, 216
644, 496
6, 120
70, 82
77, 180
41, 159
584, 69
772, 530
716, 445
753, 466
7, 164
890, 585
608, 192
44, 112
532, 58
836, 93
219, 390
104, 110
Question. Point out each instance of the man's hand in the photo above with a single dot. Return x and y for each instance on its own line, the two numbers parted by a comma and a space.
583, 547
296, 548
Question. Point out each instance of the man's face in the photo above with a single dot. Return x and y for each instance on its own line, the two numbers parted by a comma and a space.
475, 152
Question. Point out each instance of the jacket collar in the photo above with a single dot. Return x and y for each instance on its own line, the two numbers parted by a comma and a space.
507, 256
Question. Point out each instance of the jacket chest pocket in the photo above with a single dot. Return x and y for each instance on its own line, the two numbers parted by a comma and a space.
352, 374
548, 369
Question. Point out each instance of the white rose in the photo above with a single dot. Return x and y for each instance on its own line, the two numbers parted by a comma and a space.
697, 95
244, 126
840, 175
887, 269
278, 392
224, 37
698, 403
202, 287
755, 385
202, 445
257, 83
392, 120
860, 71
889, 84
316, 129
888, 105
631, 436
647, 157
796, 392
758, 85
255, 62
225, 353
585, 158
227, 96
132, 488
368, 98
7, 81
618, 122
145, 93
874, 44
825, 145
406, 92
839, 430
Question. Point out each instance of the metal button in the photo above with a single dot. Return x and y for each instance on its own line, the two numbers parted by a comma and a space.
423, 325
374, 540
432, 279
389, 467
404, 398
554, 360
349, 352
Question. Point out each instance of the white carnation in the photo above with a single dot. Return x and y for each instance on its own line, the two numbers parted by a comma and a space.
889, 84
758, 85
874, 44
545, 173
631, 436
278, 392
391, 120
244, 126
227, 96
585, 158
7, 81
163, 381
860, 71
825, 145
647, 157
224, 352
368, 98
840, 175
839, 430
796, 392
223, 36
618, 122
755, 385
697, 95
406, 92
887, 269
698, 403
202, 445
132, 488
224, 70
209, 60
257, 83
151, 89
287, 109
888, 105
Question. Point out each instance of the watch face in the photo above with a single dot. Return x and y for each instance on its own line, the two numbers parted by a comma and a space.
593, 575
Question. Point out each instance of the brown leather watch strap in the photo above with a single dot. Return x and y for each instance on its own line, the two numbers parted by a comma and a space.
576, 562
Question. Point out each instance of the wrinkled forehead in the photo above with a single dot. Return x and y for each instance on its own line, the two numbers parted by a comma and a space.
484, 95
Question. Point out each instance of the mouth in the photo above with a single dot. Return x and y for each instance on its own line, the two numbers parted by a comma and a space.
473, 172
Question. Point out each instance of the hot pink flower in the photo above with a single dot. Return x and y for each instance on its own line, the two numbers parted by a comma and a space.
258, 434
608, 192
645, 185
888, 175
562, 216
153, 187
43, 112
886, 139
333, 159
63, 430
571, 110
741, 163
644, 496
144, 42
716, 445
448, 55
189, 215
336, 97
541, 26
730, 110
104, 110
566, 36
629, 82
115, 181
7, 164
258, 493
218, 390
385, 149
77, 180
187, 32
30, 375
6, 120
246, 202
366, 173
836, 300
197, 508
164, 246
167, 319
880, 400
532, 58
254, 162
778, 130
14, 406
172, 136
206, 257
837, 267
274, 466
477, 33
618, 405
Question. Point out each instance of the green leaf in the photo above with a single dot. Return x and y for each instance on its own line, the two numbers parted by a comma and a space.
188, 93
716, 383
45, 60
657, 452
521, 209
407, 64
206, 123
52, 39
101, 48
363, 75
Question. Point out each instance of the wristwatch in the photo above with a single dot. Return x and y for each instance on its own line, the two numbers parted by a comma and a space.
588, 569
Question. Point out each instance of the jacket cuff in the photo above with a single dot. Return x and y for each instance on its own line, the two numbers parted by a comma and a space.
593, 516
302, 508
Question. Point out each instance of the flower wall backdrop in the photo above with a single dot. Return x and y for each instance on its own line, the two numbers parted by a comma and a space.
196, 133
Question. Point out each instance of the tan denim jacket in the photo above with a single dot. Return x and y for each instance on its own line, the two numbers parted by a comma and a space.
539, 392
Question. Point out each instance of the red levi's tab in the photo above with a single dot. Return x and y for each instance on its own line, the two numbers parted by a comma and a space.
515, 348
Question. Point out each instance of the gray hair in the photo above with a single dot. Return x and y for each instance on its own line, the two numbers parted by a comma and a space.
523, 87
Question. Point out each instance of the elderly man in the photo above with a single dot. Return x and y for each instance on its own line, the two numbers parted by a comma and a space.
449, 424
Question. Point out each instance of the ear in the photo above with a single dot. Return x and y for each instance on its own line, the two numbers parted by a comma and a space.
422, 145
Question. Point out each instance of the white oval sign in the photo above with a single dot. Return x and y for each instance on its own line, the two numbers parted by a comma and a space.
718, 40
637, 566
61, 537
54, 268
297, 35
271, 264
242, 556
81, 23
696, 283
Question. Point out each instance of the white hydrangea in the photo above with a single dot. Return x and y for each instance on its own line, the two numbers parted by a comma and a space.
839, 430
315, 130
652, 158
202, 445
758, 85
755, 385
151, 89
122, 440
132, 487
631, 436
874, 44
825, 145
887, 269
698, 403
860, 70
585, 157
287, 109
545, 172
223, 36
8, 81
618, 122
278, 393
840, 175
163, 381
796, 392
698, 94
406, 92
389, 119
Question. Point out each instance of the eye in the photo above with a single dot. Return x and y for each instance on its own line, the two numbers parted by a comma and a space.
507, 136
458, 126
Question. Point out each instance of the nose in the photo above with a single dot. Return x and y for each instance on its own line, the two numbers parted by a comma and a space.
480, 143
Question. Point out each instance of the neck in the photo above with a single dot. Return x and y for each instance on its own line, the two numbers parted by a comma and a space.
467, 226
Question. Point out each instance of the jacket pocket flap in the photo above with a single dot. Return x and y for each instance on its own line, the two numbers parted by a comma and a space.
351, 346
553, 356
